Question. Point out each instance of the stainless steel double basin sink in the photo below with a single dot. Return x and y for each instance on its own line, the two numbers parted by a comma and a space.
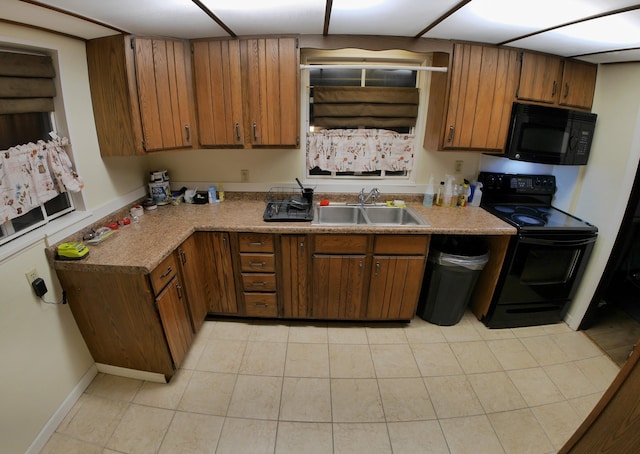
382, 215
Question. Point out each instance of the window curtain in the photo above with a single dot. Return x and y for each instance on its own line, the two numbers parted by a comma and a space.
360, 150
26, 83
33, 174
371, 107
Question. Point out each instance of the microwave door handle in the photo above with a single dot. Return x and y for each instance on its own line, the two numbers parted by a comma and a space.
543, 242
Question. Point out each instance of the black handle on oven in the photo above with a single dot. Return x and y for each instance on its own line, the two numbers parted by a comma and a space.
557, 242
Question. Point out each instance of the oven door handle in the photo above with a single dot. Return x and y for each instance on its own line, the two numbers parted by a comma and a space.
570, 243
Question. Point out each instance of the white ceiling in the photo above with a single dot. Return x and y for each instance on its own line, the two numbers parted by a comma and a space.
553, 26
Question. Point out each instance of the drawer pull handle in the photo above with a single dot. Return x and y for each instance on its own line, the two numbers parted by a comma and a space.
256, 243
258, 284
261, 305
255, 131
188, 131
167, 273
258, 264
237, 131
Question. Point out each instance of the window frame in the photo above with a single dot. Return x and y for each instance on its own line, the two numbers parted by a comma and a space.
361, 57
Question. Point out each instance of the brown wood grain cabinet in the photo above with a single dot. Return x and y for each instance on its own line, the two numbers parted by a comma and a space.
396, 276
556, 81
470, 107
132, 320
295, 275
258, 273
247, 92
192, 259
218, 272
141, 94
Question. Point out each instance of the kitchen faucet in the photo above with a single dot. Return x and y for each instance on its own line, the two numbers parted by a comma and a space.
373, 194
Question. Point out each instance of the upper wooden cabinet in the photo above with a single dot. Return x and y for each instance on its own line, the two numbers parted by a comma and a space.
553, 80
141, 93
247, 92
481, 85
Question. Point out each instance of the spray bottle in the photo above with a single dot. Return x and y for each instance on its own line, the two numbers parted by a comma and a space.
429, 193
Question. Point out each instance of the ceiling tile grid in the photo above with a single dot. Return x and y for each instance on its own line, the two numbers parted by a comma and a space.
552, 26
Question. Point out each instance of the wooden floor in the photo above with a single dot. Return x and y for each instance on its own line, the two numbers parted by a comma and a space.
616, 333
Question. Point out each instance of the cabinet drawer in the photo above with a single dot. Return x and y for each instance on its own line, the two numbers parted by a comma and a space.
259, 282
261, 304
340, 244
255, 242
163, 273
257, 262
401, 244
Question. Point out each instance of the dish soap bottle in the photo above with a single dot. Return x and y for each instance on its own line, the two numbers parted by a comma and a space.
428, 193
439, 195
220, 193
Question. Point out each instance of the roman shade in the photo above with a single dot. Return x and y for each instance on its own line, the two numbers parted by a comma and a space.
26, 83
371, 107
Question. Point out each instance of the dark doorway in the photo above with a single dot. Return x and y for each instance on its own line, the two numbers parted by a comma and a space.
613, 317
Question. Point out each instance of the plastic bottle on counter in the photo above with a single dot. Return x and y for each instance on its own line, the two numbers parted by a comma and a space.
477, 196
220, 193
428, 193
448, 194
439, 195
212, 194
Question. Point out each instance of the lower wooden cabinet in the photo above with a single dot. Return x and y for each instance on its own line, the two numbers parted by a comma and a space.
217, 271
338, 285
175, 320
193, 271
294, 282
131, 320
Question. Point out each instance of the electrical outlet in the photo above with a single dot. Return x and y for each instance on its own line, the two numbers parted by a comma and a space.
244, 175
458, 165
32, 275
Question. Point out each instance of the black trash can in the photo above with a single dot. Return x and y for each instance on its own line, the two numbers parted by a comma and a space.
453, 267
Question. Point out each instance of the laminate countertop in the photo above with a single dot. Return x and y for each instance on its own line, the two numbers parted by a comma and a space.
140, 247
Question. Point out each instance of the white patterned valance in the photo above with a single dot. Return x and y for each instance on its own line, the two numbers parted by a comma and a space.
360, 150
33, 174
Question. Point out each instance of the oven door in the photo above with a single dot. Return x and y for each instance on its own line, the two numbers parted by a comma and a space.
540, 277
546, 267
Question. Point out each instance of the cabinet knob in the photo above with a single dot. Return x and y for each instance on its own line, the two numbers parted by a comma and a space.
377, 268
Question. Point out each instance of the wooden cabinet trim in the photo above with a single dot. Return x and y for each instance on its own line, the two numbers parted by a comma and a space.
401, 244
340, 244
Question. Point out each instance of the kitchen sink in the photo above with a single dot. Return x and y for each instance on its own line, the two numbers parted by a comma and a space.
366, 215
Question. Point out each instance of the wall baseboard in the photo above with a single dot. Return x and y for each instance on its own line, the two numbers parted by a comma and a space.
50, 427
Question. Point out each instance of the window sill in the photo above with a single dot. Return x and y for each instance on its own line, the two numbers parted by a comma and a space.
50, 233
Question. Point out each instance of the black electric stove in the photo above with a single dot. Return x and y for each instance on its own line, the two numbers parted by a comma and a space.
545, 261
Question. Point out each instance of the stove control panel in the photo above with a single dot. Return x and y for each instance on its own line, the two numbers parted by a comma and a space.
507, 183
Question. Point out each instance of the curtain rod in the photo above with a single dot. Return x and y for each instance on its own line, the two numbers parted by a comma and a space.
441, 69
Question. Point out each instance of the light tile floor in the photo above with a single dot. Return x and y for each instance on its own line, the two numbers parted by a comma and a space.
289, 387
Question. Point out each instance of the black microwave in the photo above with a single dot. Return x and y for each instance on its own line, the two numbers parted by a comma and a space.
550, 135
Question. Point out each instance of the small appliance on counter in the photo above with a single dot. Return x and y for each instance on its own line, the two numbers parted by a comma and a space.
545, 261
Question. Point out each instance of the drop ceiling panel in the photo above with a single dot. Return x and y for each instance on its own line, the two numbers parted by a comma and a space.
386, 17
25, 13
170, 18
251, 17
614, 57
496, 21
617, 32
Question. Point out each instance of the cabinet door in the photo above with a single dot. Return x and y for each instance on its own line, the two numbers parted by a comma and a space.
338, 286
295, 274
175, 320
271, 78
219, 283
395, 287
194, 275
483, 83
539, 78
163, 93
218, 90
578, 84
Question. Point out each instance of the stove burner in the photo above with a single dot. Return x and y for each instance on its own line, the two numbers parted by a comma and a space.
504, 209
526, 219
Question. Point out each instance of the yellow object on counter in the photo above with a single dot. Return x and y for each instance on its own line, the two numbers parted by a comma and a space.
396, 203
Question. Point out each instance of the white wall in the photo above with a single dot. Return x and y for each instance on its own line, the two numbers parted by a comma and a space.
44, 357
603, 188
